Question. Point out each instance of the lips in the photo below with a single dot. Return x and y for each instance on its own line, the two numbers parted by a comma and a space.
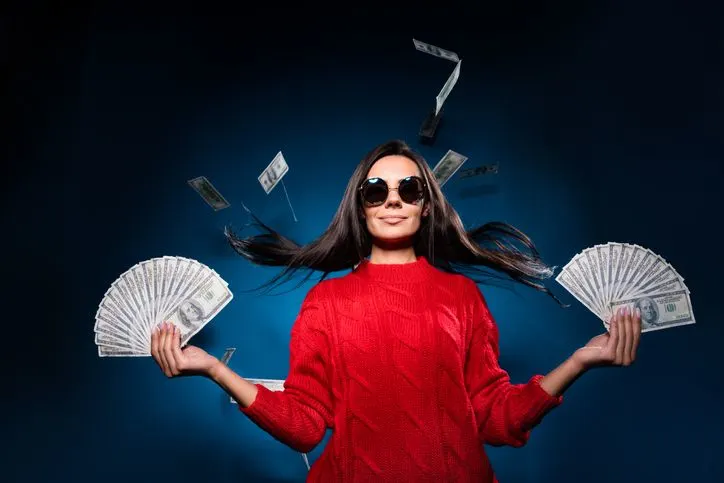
393, 220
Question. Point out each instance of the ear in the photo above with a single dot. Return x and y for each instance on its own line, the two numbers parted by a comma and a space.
425, 210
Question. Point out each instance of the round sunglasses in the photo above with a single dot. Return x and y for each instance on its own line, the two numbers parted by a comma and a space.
374, 191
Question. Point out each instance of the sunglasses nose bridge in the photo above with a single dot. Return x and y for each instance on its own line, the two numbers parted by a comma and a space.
393, 198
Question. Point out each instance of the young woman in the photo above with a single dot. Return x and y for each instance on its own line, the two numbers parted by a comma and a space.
399, 357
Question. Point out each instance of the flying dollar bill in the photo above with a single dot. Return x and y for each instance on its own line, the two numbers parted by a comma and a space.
272, 174
227, 355
436, 51
447, 166
210, 194
447, 88
660, 311
468, 173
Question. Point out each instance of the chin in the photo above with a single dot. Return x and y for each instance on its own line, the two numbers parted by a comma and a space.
393, 235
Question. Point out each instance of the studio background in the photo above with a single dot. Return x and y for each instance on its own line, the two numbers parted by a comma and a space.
606, 123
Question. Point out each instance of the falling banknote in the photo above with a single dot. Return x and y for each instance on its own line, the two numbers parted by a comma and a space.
469, 173
447, 88
447, 166
210, 194
436, 51
227, 355
272, 175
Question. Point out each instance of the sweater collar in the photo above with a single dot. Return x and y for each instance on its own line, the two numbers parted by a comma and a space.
416, 271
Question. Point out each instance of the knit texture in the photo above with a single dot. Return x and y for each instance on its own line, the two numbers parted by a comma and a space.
401, 362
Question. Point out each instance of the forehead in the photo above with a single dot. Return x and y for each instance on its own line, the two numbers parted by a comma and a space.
393, 167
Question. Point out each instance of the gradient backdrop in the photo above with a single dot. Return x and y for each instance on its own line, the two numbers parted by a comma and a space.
606, 123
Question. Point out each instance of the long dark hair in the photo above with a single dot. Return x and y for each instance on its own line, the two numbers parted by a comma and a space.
442, 239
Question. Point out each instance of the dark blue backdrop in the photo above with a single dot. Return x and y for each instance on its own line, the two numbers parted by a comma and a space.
607, 126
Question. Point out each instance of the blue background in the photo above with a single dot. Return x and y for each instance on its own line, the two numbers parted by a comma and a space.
606, 123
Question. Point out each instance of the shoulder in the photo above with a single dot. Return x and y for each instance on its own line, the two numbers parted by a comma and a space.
461, 284
319, 292
467, 292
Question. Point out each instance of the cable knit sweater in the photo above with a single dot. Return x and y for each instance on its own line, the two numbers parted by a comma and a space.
401, 362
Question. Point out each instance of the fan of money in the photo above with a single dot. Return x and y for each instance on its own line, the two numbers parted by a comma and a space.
179, 290
607, 277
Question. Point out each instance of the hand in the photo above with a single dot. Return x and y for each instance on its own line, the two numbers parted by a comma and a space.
166, 351
616, 347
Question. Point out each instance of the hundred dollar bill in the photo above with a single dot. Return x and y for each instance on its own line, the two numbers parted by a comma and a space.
210, 194
447, 88
200, 306
468, 173
447, 166
107, 351
660, 311
436, 51
273, 173
227, 355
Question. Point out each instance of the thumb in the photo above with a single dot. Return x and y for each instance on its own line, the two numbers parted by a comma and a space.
178, 354
613, 334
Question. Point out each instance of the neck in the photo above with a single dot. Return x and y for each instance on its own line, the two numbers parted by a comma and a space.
392, 253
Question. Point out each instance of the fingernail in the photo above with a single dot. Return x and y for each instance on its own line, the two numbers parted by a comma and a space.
638, 313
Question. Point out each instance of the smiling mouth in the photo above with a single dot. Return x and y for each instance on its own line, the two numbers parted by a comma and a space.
393, 219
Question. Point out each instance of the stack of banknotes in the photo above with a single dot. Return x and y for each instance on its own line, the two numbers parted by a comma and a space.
179, 290
607, 277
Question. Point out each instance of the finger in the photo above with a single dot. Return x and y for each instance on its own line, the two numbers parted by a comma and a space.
628, 338
636, 334
156, 347
176, 349
168, 350
621, 335
161, 352
612, 334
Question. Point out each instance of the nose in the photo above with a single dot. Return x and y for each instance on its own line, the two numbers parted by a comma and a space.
393, 199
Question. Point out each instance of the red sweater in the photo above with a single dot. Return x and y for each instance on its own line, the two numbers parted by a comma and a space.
401, 362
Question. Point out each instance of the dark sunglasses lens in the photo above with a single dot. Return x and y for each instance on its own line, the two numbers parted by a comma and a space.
374, 192
410, 190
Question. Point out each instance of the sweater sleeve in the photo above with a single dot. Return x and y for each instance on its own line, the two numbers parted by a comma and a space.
505, 412
299, 415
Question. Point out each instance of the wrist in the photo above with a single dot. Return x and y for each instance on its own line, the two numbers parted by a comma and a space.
576, 365
214, 371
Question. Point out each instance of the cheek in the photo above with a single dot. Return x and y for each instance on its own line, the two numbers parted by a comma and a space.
368, 212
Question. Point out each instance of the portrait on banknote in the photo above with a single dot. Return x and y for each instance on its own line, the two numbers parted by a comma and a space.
190, 312
649, 312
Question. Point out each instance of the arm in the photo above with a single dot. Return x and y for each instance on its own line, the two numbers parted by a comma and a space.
299, 415
243, 392
559, 379
505, 412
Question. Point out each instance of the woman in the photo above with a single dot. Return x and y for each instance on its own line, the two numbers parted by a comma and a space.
399, 357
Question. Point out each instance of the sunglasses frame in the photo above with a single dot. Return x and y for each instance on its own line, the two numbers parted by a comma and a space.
364, 183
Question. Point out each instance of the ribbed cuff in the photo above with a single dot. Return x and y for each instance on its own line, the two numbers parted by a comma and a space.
261, 403
538, 402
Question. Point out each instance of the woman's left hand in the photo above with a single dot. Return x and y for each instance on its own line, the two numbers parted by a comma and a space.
616, 347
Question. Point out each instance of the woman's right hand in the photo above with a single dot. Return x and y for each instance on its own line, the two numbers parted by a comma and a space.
174, 361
